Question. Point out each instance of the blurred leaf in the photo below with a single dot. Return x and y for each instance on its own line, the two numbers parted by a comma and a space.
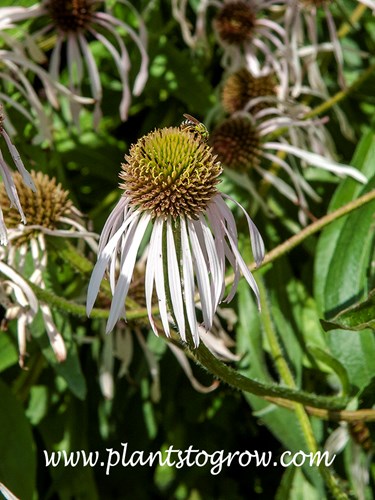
8, 352
286, 310
283, 423
355, 318
65, 429
70, 369
18, 460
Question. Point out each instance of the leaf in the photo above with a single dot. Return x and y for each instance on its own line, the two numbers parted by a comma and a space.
18, 458
354, 318
342, 267
8, 352
337, 367
70, 369
283, 423
342, 260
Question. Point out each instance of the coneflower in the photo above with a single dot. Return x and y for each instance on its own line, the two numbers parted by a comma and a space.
170, 182
244, 144
49, 211
74, 22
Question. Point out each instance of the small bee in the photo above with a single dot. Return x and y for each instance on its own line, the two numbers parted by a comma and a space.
195, 125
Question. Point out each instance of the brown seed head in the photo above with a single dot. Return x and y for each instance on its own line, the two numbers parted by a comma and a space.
170, 172
242, 86
236, 143
235, 22
43, 208
70, 15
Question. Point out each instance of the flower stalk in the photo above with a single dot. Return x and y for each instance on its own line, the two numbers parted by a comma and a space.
287, 376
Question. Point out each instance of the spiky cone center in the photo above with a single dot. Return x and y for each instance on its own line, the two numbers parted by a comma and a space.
170, 172
237, 144
242, 86
44, 208
235, 22
70, 15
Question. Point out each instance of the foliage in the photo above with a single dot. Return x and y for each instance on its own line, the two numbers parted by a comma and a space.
314, 336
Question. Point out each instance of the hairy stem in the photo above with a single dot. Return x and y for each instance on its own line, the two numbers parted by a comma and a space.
287, 376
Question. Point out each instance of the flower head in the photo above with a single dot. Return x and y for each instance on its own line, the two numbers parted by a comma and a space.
235, 22
49, 211
241, 86
169, 182
244, 144
75, 22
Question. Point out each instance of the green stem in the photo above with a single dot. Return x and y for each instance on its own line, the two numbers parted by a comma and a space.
230, 376
286, 375
313, 228
27, 378
354, 18
342, 94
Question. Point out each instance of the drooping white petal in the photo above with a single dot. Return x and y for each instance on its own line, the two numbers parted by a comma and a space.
245, 271
122, 68
103, 258
10, 188
188, 277
3, 230
160, 278
184, 363
201, 271
215, 219
55, 338
96, 86
257, 244
150, 272
174, 280
23, 285
216, 274
319, 161
133, 241
153, 366
217, 346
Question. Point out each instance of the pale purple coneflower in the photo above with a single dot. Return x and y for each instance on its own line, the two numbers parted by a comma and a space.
243, 90
14, 80
169, 182
17, 91
49, 211
74, 22
250, 37
245, 143
302, 25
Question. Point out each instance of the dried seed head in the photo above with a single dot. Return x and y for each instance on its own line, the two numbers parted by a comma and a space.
236, 143
70, 15
242, 86
43, 208
170, 172
235, 22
